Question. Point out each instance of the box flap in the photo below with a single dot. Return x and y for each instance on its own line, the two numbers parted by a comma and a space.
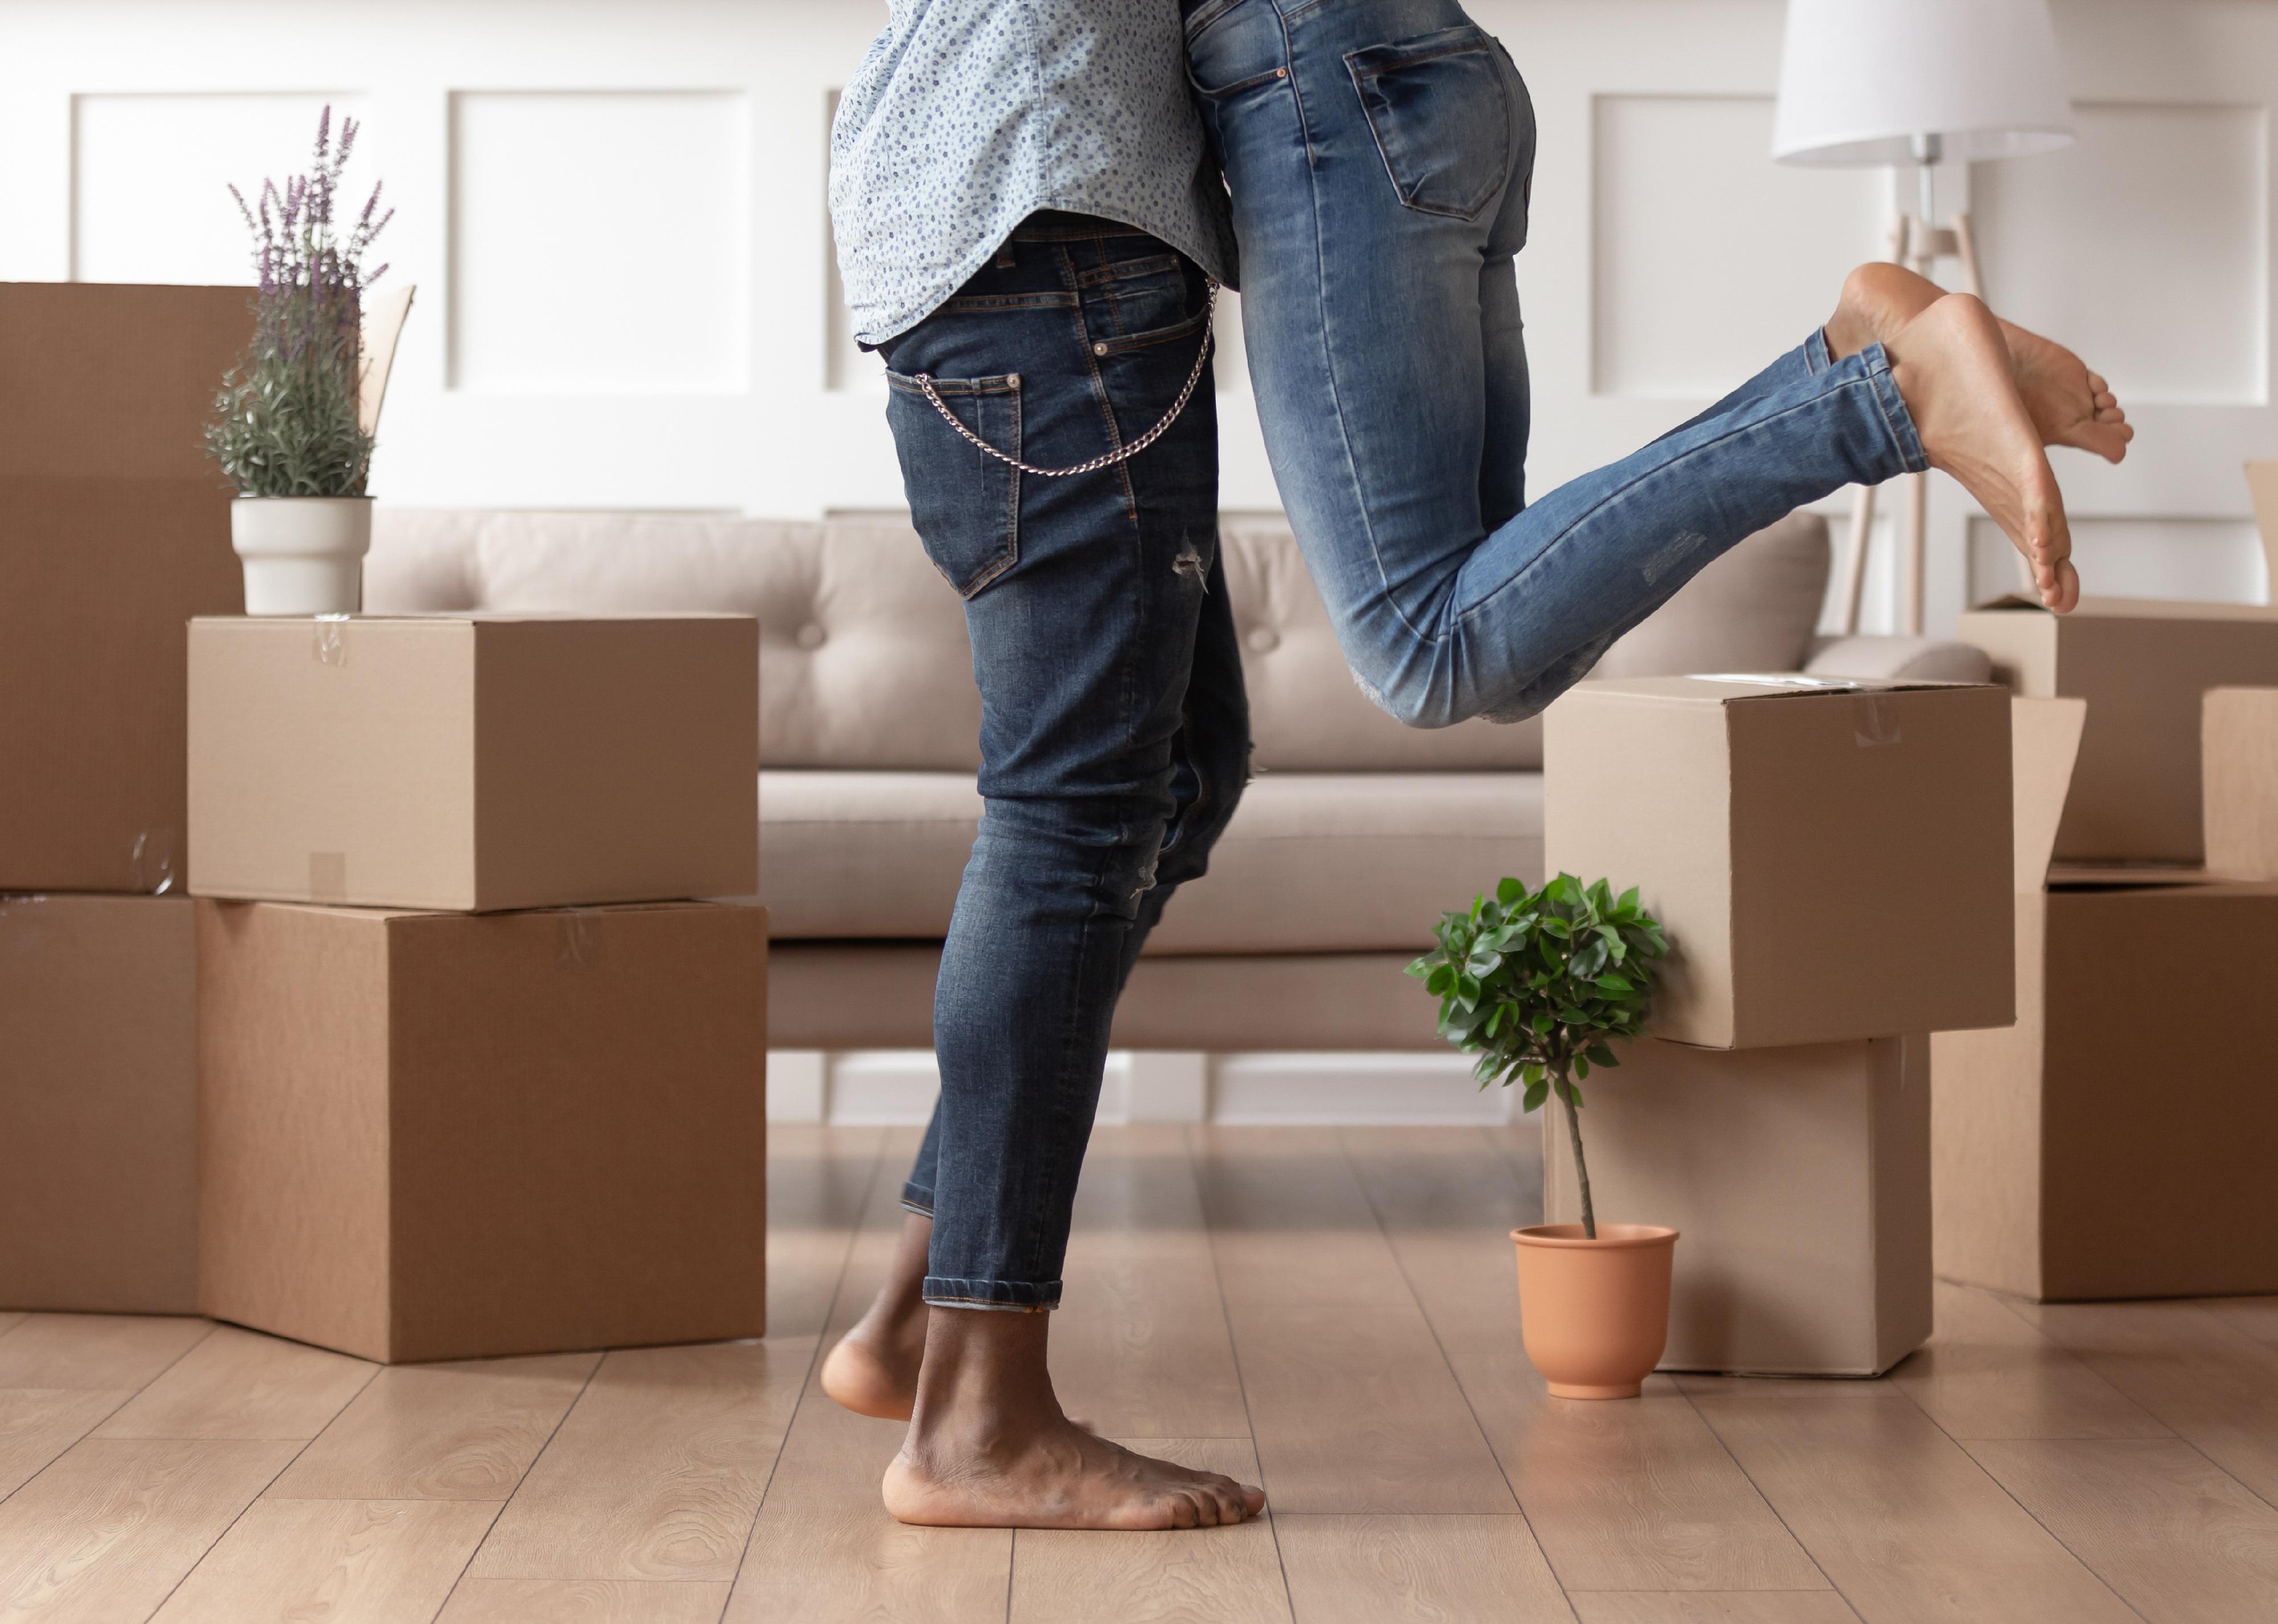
2262, 485
2131, 609
2126, 876
1723, 687
2044, 743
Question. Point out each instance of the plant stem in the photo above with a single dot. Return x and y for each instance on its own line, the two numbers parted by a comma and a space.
1564, 1091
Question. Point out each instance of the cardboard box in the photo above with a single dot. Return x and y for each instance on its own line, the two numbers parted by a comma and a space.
98, 1104
2075, 1157
441, 1136
1831, 858
2142, 667
114, 530
2262, 485
1798, 1182
475, 761
2238, 756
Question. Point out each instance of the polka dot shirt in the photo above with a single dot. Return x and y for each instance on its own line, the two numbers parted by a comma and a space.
967, 116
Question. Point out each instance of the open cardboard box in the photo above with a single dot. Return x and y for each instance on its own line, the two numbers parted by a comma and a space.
114, 530
449, 1135
2142, 665
98, 1104
2119, 1140
1831, 858
481, 762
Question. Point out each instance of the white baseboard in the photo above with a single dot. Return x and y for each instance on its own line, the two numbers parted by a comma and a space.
896, 1087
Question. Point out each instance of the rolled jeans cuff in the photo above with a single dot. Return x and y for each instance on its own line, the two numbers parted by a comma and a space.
1815, 357
1895, 415
1005, 1296
917, 1199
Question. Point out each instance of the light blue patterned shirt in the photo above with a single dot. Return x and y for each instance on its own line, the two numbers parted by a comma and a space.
967, 116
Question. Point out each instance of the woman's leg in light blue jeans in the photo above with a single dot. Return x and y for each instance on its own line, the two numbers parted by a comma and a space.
1380, 153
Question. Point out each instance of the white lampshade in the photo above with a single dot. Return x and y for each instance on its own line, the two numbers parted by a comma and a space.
1860, 80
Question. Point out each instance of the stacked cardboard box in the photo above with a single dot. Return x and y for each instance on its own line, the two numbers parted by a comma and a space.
1833, 861
475, 1077
114, 530
2117, 1140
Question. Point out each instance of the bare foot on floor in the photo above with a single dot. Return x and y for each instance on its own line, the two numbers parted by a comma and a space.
2068, 404
1057, 1476
1952, 368
873, 1370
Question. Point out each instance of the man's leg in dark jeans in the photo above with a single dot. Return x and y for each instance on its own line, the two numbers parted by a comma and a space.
1114, 745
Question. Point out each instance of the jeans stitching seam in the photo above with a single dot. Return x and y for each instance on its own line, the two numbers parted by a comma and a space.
1465, 616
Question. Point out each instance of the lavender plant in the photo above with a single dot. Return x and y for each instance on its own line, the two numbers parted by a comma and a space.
285, 421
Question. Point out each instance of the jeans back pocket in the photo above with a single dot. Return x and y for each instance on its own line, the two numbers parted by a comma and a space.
1441, 118
965, 503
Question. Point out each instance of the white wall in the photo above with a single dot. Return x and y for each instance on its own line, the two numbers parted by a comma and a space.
615, 214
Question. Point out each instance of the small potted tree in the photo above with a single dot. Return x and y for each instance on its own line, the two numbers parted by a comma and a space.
288, 429
1538, 985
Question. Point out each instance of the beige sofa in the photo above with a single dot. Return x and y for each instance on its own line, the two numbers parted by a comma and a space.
1356, 835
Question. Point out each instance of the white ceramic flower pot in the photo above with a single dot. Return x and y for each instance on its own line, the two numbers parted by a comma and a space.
302, 554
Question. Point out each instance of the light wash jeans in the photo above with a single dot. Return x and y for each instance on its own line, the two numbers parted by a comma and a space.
1380, 153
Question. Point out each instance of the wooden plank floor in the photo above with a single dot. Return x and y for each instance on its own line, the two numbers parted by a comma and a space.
1328, 1311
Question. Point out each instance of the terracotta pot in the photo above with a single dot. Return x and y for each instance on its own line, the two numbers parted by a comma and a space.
1596, 1312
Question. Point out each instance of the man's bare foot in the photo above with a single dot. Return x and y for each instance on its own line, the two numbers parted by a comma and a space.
989, 1446
1952, 368
873, 1370
2070, 405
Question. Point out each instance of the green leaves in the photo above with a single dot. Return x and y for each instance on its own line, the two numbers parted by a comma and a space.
1537, 985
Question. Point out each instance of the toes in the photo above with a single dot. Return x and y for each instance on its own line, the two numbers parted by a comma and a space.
2066, 596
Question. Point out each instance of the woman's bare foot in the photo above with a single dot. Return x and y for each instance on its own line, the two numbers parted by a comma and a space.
1952, 368
989, 1448
873, 1370
2068, 404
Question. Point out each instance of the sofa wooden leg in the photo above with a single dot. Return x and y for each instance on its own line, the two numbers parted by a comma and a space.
1168, 1085
798, 1086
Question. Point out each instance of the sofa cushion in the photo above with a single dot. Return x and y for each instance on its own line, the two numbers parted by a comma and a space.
1753, 609
863, 658
1306, 713
879, 854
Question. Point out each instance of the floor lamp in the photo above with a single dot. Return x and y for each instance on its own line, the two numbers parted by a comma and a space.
1873, 83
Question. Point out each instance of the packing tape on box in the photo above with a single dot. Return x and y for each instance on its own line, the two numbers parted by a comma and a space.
331, 645
1874, 720
578, 944
152, 861
22, 932
328, 876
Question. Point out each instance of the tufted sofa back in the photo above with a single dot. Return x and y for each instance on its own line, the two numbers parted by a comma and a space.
863, 656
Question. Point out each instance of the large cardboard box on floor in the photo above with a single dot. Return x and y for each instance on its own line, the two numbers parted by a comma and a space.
1799, 1181
441, 1136
475, 761
1831, 858
98, 1104
114, 530
2118, 1140
2143, 665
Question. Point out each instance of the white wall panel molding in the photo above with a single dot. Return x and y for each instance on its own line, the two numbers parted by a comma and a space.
1708, 261
600, 242
2209, 561
150, 173
1668, 255
2152, 232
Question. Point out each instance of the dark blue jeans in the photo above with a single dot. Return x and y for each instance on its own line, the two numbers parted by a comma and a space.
1114, 735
